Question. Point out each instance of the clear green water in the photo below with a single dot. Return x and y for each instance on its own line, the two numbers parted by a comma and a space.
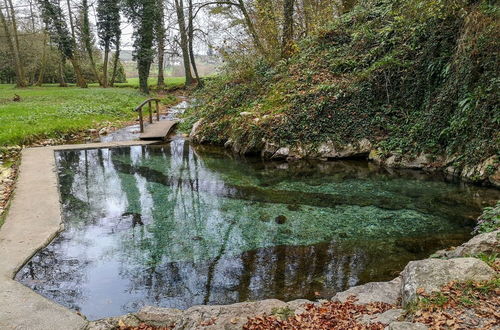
170, 226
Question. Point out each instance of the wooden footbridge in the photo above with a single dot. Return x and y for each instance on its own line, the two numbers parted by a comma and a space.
154, 131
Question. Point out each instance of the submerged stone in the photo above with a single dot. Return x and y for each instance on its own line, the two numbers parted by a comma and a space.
280, 219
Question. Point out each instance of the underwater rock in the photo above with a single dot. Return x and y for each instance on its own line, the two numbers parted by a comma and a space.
432, 274
280, 219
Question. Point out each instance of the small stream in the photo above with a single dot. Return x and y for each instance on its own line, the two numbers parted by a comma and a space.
175, 226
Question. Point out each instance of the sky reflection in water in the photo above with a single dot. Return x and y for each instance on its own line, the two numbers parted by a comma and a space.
168, 226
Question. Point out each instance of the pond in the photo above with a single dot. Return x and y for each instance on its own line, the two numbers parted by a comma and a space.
173, 226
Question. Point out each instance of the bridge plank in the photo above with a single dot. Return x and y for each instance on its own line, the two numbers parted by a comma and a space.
158, 130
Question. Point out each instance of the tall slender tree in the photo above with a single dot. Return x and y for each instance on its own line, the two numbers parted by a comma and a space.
191, 17
21, 78
160, 41
108, 28
184, 42
88, 40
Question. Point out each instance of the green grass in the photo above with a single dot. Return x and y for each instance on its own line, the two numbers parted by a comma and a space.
46, 112
170, 82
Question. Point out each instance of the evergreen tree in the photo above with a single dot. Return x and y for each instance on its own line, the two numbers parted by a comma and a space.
143, 14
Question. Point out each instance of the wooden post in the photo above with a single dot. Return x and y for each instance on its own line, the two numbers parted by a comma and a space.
157, 110
141, 121
150, 113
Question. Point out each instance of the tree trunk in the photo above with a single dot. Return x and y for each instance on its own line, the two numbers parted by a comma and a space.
287, 43
62, 78
43, 61
116, 60
190, 41
105, 80
87, 40
80, 80
251, 28
179, 6
143, 66
160, 39
21, 79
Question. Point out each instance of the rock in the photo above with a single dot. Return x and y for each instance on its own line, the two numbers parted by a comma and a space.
92, 131
104, 131
229, 143
331, 150
195, 129
387, 292
432, 274
281, 153
280, 219
159, 316
113, 323
406, 326
245, 114
387, 317
226, 317
269, 149
419, 162
487, 243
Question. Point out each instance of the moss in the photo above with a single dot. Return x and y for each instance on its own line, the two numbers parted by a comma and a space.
411, 76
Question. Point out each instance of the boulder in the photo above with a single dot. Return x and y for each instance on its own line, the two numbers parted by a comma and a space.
487, 243
281, 153
387, 317
432, 274
406, 326
195, 129
159, 316
113, 323
387, 292
226, 317
331, 150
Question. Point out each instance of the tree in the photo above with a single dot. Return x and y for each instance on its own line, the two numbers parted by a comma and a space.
287, 41
54, 19
191, 40
88, 42
184, 43
21, 79
142, 15
108, 27
160, 41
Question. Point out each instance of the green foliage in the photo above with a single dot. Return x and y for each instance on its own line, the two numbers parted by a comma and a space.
143, 14
53, 112
410, 76
488, 221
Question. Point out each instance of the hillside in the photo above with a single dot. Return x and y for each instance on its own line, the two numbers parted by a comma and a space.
405, 83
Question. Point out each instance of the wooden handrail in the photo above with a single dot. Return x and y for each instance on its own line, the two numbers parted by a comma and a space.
148, 102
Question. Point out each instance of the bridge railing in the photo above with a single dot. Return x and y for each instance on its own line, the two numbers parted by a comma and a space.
148, 102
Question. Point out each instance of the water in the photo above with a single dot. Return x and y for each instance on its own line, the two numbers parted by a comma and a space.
171, 226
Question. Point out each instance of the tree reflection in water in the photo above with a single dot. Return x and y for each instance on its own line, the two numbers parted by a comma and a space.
168, 226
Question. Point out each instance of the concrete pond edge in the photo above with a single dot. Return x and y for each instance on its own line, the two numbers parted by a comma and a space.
34, 219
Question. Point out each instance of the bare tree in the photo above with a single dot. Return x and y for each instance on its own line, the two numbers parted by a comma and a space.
21, 79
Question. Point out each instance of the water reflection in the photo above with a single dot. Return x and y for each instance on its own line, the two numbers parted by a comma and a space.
171, 226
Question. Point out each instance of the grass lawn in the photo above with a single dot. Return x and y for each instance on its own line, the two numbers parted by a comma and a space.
170, 82
48, 111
